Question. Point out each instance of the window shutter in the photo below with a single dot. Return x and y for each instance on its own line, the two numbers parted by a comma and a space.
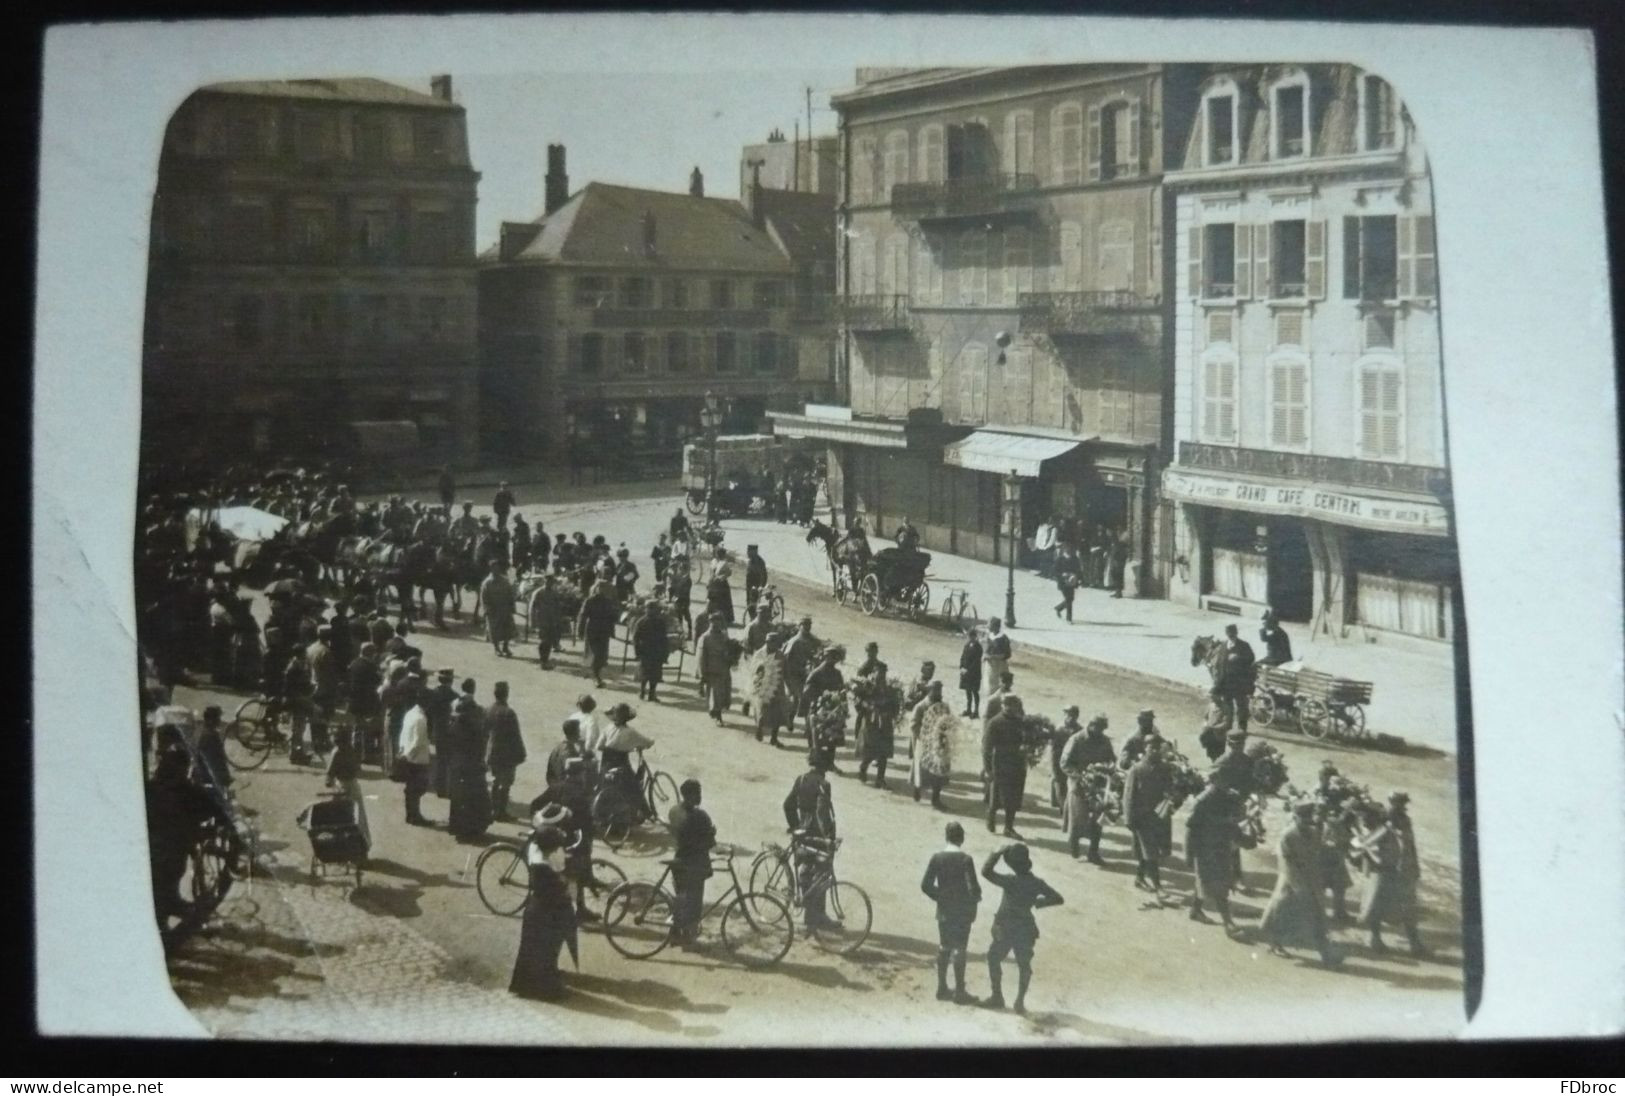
1427, 269
996, 280
1261, 262
1298, 398
1209, 387
1407, 257
1314, 259
1194, 264
1244, 261
1370, 413
1136, 156
1007, 154
1094, 144
1279, 395
1227, 406
1351, 258
966, 394
1391, 417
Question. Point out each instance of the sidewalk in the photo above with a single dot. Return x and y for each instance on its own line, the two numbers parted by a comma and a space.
1413, 696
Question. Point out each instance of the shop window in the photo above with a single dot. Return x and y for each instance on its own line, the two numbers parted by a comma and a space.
592, 291
1382, 411
727, 352
1219, 399
1289, 404
634, 352
637, 293
1066, 144
1371, 258
1377, 114
677, 360
590, 357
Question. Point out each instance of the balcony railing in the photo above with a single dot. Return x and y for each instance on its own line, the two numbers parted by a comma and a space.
681, 317
811, 310
875, 312
1093, 312
1345, 471
983, 196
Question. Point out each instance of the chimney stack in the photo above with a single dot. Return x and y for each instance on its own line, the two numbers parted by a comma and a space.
755, 202
696, 183
558, 183
648, 234
440, 87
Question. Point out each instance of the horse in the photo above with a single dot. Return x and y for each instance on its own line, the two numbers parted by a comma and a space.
819, 533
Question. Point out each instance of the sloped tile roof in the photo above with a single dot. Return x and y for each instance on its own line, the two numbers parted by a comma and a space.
356, 89
803, 222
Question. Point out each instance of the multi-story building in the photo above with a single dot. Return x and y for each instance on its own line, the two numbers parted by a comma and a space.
312, 268
1002, 277
1310, 471
809, 164
606, 321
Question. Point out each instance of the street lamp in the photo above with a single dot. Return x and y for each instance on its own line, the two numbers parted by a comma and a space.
1012, 526
711, 420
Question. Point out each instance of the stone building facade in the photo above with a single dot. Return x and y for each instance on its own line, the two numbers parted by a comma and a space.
312, 268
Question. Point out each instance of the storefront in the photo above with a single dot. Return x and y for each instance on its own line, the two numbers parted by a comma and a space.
1324, 555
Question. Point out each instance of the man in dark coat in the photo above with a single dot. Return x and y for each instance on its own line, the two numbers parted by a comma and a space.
1277, 644
1233, 686
505, 750
680, 592
755, 578
519, 544
1392, 870
651, 643
596, 623
825, 679
950, 882
1068, 575
1004, 764
541, 547
810, 809
363, 681
800, 656
1080, 817
438, 708
470, 814
626, 576
548, 622
1144, 737
660, 556
502, 505
1210, 843
1294, 914
716, 666
694, 835
1145, 787
571, 746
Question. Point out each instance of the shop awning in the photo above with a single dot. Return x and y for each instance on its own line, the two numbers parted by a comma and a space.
993, 451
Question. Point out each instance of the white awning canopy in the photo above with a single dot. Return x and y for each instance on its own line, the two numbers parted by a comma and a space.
992, 451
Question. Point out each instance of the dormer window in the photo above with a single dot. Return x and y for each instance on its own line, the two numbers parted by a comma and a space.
1221, 129
1291, 121
1377, 114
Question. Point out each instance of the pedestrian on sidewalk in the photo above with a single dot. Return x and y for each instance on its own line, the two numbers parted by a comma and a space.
660, 556
506, 749
416, 755
1067, 577
548, 620
1044, 547
932, 726
502, 504
1015, 930
1294, 916
694, 835
716, 666
1004, 764
950, 882
1117, 562
997, 653
600, 612
970, 674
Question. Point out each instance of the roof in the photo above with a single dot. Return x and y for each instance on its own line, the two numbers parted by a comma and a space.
803, 223
353, 89
603, 225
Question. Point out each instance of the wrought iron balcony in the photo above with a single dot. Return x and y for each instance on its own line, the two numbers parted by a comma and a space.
1092, 312
987, 196
1344, 471
876, 313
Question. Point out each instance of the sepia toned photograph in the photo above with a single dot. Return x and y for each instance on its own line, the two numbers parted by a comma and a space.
814, 555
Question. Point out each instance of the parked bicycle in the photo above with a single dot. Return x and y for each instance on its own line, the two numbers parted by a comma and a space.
263, 725
848, 913
616, 811
956, 607
502, 876
756, 928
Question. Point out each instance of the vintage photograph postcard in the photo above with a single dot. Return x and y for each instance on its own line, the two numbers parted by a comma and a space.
935, 539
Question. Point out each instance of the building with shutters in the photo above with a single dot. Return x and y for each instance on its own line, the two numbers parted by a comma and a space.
312, 268
1002, 272
810, 165
1309, 470
605, 321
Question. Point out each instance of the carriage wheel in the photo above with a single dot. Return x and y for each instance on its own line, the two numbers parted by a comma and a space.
695, 502
1352, 718
1313, 717
869, 595
919, 604
843, 592
1263, 706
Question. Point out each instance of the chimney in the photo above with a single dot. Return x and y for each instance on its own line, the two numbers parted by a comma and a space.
648, 234
440, 87
755, 202
696, 183
558, 183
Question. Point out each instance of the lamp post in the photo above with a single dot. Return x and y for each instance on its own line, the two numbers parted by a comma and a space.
1012, 525
711, 420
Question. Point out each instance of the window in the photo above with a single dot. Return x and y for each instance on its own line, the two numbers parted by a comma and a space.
863, 279
1114, 258
312, 233
894, 271
1221, 327
1370, 258
1018, 142
634, 353
927, 273
677, 352
727, 360
429, 139
1291, 120
248, 322
930, 167
1066, 144
972, 383
1219, 261
373, 229
1116, 400
1289, 403
1118, 140
592, 291
1018, 264
722, 293
970, 151
896, 163
1287, 259
248, 231
863, 171
1418, 268
1071, 244
972, 267
590, 360
1221, 129
432, 236
676, 293
770, 294
1377, 129
371, 141
767, 352
637, 293
1381, 411
1219, 399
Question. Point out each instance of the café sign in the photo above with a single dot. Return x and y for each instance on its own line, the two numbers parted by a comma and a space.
1309, 500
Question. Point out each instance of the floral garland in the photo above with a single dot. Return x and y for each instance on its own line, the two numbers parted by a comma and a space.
829, 717
1103, 783
874, 697
1183, 782
1037, 732
1269, 767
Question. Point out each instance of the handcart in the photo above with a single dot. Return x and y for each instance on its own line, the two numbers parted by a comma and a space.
338, 837
1323, 705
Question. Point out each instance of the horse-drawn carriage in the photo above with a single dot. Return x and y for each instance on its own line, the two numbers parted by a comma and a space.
747, 467
892, 579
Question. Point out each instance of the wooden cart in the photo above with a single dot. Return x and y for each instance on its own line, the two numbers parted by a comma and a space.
1324, 706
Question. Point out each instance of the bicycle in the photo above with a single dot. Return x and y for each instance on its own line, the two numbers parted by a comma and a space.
955, 606
263, 725
615, 814
756, 928
774, 601
502, 876
849, 914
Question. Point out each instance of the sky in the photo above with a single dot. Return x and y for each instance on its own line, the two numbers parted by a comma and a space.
647, 129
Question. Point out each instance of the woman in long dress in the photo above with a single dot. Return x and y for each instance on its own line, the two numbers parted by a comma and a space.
549, 922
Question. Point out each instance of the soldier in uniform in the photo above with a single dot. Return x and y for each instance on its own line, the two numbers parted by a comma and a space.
810, 809
1004, 764
1087, 747
755, 577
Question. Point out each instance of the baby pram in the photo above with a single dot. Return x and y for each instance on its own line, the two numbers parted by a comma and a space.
338, 837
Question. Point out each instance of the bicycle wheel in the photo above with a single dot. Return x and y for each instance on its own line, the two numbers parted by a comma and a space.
848, 917
246, 739
612, 815
503, 879
638, 920
770, 874
662, 793
605, 877
757, 929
